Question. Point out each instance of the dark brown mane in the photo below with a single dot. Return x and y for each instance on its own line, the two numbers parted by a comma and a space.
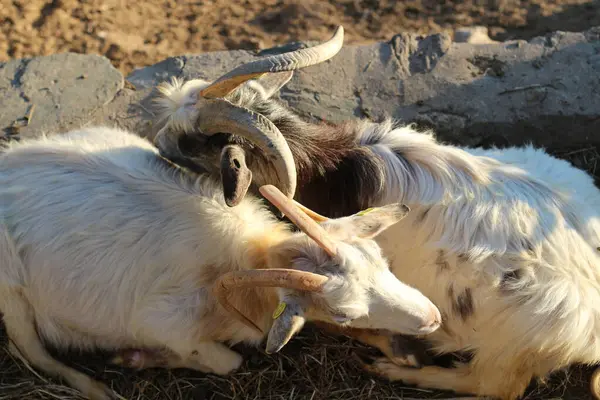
337, 175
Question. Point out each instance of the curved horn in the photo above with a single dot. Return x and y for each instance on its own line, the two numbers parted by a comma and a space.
299, 218
223, 116
312, 214
290, 61
277, 277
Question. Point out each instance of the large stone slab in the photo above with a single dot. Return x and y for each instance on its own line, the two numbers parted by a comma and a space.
62, 89
545, 91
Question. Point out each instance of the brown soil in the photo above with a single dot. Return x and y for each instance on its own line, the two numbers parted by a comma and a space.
138, 33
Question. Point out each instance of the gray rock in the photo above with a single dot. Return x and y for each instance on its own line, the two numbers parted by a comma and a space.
545, 91
62, 88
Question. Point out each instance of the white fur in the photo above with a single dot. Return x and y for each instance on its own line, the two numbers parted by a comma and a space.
490, 212
177, 103
478, 216
102, 244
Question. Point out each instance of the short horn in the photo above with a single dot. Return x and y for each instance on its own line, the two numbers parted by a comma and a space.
280, 277
219, 115
299, 218
289, 61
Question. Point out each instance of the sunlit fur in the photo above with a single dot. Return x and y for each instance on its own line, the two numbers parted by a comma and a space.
105, 244
505, 242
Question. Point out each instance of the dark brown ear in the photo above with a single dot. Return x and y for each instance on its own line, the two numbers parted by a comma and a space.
235, 175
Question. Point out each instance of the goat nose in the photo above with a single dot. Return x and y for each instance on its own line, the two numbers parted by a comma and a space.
433, 322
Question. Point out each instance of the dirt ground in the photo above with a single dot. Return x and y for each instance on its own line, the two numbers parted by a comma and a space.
133, 34
137, 33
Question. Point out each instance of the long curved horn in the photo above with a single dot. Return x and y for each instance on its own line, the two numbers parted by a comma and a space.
299, 218
223, 116
315, 216
276, 277
290, 61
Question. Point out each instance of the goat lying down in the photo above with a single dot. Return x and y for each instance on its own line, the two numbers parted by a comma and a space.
505, 242
104, 244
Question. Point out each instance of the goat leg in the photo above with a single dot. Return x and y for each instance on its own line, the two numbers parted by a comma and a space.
26, 345
207, 357
401, 350
143, 358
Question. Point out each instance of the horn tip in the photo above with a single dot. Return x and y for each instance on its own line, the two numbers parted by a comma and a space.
266, 189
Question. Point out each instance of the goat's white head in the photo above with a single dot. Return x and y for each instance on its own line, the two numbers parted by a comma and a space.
205, 110
334, 272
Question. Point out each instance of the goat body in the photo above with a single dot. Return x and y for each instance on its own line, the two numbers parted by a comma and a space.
104, 244
505, 242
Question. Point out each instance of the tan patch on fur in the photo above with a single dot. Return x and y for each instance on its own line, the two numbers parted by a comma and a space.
257, 304
262, 248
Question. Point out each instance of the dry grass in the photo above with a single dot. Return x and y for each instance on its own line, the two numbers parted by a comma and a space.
313, 366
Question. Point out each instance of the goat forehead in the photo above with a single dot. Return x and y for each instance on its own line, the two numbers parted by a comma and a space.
361, 258
365, 249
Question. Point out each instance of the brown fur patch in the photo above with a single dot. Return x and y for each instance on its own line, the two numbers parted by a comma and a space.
329, 160
462, 304
257, 304
509, 279
441, 261
445, 328
421, 216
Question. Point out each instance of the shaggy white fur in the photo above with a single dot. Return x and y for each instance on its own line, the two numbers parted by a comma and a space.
105, 244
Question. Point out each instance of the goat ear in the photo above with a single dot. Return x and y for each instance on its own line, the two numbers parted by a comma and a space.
235, 175
371, 222
273, 82
288, 321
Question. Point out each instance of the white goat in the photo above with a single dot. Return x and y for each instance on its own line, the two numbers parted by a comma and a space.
104, 244
505, 242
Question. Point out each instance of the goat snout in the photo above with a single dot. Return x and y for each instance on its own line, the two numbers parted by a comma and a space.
433, 321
